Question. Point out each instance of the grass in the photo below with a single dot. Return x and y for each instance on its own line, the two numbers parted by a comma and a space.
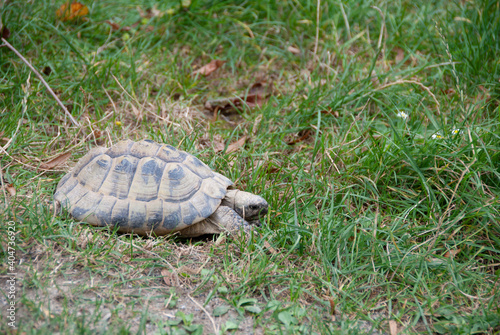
378, 222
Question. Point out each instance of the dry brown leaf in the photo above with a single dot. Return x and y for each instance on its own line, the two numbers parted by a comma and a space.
47, 70
400, 55
116, 26
451, 253
254, 100
393, 327
236, 145
61, 159
209, 68
69, 12
226, 104
258, 88
294, 50
332, 306
329, 111
305, 134
190, 271
256, 96
215, 142
10, 188
218, 146
5, 32
150, 12
168, 278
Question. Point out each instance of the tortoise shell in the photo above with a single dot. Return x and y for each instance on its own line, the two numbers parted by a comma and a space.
142, 187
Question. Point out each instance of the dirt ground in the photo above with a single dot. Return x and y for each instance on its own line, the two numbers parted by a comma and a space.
60, 284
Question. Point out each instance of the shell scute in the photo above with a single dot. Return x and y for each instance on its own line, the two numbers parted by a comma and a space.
119, 213
103, 212
178, 184
119, 178
189, 214
95, 172
137, 214
86, 204
144, 148
146, 181
120, 149
154, 213
171, 216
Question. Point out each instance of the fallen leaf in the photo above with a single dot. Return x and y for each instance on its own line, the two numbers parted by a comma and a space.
214, 141
257, 88
303, 136
255, 97
97, 133
400, 55
451, 253
225, 104
393, 327
209, 68
69, 12
10, 188
150, 12
168, 278
189, 271
61, 159
329, 111
47, 70
5, 32
116, 26
254, 100
449, 91
293, 50
332, 306
236, 145
218, 146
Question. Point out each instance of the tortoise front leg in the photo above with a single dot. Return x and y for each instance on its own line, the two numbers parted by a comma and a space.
224, 219
229, 221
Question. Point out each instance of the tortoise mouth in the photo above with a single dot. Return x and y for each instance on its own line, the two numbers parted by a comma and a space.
252, 213
263, 212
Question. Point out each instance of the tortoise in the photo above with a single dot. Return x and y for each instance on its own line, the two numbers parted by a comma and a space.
145, 187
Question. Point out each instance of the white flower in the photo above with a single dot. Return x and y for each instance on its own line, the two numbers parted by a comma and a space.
437, 136
456, 131
402, 115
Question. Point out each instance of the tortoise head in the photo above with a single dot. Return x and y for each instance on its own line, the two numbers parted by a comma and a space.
248, 205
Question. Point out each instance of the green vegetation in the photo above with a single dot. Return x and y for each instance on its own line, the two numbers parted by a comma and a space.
377, 144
